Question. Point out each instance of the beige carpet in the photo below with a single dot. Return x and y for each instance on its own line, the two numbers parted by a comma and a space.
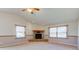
40, 46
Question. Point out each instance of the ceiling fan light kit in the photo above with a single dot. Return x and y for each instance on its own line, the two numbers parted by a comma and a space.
31, 10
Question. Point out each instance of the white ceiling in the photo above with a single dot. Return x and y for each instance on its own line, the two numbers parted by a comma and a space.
47, 15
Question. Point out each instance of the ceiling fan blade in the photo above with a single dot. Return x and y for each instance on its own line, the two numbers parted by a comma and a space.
37, 9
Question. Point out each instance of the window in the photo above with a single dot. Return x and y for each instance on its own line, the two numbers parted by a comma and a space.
52, 32
60, 32
20, 32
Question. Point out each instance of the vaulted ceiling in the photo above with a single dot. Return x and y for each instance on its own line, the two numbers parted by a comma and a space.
47, 15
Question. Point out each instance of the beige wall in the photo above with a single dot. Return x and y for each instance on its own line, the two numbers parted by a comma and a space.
8, 21
72, 31
37, 27
72, 28
78, 27
78, 34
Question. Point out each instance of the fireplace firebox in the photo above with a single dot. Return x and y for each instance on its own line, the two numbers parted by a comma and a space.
38, 34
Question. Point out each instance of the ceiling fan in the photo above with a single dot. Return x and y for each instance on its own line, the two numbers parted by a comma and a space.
31, 10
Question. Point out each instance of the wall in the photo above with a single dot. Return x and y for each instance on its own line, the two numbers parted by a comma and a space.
72, 28
78, 34
72, 33
8, 21
37, 27
78, 27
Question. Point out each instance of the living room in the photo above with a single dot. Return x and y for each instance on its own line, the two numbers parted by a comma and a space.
25, 26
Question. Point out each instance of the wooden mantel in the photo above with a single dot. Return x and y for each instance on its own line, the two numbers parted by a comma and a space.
38, 30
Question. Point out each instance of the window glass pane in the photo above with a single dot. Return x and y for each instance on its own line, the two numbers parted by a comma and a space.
20, 31
62, 32
52, 32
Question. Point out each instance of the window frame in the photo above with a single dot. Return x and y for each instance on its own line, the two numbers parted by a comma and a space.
57, 32
49, 32
24, 32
